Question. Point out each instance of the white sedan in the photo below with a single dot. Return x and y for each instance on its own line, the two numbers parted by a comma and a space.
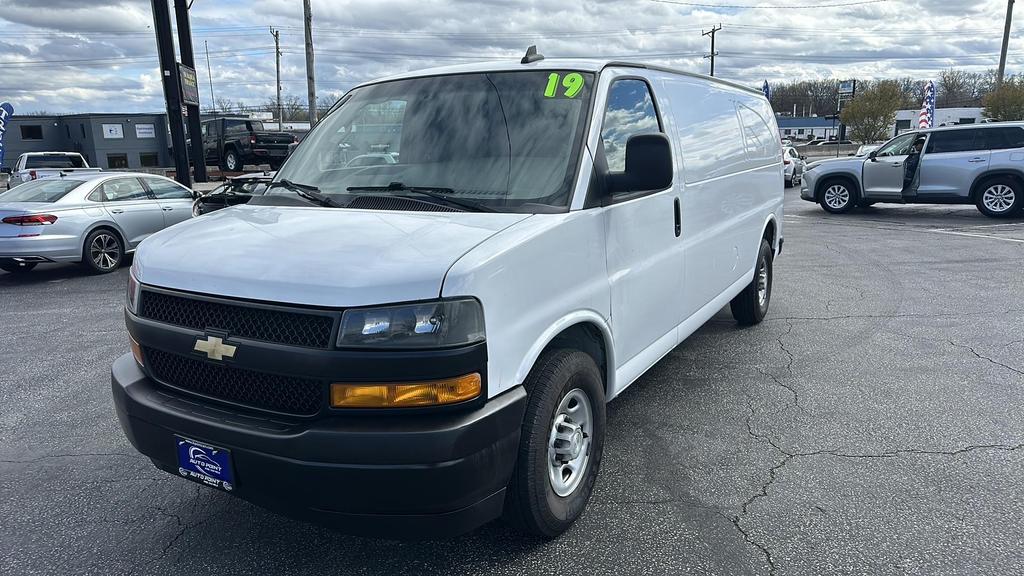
92, 218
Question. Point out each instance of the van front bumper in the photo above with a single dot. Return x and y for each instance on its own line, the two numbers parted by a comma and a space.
406, 476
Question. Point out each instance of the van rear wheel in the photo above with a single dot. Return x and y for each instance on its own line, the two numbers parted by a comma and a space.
560, 445
750, 306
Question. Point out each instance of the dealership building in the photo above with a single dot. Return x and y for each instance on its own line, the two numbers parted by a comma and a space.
108, 141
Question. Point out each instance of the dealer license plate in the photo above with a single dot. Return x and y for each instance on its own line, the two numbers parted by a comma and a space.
205, 464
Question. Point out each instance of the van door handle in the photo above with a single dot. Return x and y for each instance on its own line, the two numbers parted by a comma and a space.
897, 164
679, 221
116, 210
167, 208
976, 160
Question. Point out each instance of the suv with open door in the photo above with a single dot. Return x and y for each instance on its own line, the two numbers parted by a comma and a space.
967, 164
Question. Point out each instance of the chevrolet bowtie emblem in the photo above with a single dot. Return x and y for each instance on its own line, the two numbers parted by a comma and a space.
215, 348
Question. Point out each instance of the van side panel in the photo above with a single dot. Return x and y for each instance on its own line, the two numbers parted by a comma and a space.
544, 273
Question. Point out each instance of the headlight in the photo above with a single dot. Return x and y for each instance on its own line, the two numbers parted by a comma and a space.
132, 300
439, 324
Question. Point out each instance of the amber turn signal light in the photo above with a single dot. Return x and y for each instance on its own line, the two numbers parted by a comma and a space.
406, 394
136, 350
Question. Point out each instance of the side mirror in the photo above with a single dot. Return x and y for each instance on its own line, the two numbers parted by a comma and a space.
803, 157
872, 155
648, 165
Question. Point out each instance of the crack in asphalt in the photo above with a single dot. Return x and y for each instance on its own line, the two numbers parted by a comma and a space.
996, 362
789, 456
51, 456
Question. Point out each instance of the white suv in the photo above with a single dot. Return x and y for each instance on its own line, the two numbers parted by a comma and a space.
415, 348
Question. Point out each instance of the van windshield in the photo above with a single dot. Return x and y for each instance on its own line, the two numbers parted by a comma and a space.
507, 141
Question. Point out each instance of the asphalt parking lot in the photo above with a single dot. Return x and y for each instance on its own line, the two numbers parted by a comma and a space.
871, 425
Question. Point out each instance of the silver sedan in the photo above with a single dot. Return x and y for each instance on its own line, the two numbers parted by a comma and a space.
93, 218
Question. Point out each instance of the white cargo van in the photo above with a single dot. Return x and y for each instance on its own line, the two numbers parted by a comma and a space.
418, 347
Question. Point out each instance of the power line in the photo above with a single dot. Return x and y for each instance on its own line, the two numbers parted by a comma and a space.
786, 7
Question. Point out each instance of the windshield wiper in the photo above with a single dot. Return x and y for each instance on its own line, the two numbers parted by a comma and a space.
437, 193
307, 191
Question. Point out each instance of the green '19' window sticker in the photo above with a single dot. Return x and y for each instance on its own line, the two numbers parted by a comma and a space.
567, 87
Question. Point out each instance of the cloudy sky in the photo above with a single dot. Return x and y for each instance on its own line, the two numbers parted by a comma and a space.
100, 55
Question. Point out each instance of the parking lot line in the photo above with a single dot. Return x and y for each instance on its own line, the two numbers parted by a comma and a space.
970, 235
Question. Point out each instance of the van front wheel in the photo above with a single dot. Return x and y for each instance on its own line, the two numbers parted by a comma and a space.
560, 445
751, 306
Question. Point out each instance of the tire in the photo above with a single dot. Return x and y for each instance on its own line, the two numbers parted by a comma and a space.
750, 306
837, 196
232, 161
103, 251
560, 379
1000, 197
789, 182
15, 267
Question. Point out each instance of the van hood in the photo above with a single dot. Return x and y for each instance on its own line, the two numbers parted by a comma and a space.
315, 256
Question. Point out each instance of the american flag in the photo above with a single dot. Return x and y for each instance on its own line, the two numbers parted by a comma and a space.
927, 117
767, 90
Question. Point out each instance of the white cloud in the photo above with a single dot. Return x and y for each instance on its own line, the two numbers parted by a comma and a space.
102, 56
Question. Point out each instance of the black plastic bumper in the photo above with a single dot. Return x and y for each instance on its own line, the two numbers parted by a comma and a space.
427, 475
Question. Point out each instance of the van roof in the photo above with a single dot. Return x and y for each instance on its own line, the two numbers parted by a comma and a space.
581, 64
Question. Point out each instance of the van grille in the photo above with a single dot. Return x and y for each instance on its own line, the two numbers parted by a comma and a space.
298, 396
239, 320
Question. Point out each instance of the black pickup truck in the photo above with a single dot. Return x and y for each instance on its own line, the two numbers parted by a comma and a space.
231, 143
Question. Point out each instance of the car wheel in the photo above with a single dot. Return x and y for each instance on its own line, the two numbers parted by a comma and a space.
232, 163
789, 182
1000, 197
103, 251
560, 445
837, 196
15, 267
750, 306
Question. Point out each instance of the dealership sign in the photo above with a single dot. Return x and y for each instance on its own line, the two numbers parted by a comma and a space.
189, 86
6, 112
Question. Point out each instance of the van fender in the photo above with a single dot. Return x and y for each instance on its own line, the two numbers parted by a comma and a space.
559, 326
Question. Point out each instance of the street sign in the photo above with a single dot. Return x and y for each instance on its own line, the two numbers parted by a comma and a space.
189, 85
847, 87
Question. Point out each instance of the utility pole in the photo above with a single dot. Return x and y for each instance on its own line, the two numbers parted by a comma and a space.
172, 89
1006, 42
188, 59
310, 72
209, 72
277, 51
713, 53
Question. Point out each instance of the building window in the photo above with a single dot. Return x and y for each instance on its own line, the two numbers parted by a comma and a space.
82, 126
115, 161
800, 131
149, 159
34, 132
788, 132
902, 125
966, 121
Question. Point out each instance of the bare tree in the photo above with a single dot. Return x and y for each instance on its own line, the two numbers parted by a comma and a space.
869, 115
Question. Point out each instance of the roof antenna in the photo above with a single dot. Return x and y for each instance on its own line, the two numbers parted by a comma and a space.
532, 55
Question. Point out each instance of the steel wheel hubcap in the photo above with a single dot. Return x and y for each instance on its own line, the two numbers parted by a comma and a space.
998, 198
569, 442
104, 251
837, 196
762, 283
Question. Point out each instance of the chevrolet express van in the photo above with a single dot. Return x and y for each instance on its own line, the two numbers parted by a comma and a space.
417, 347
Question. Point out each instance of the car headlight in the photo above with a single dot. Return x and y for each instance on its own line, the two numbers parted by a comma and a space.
438, 324
132, 299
